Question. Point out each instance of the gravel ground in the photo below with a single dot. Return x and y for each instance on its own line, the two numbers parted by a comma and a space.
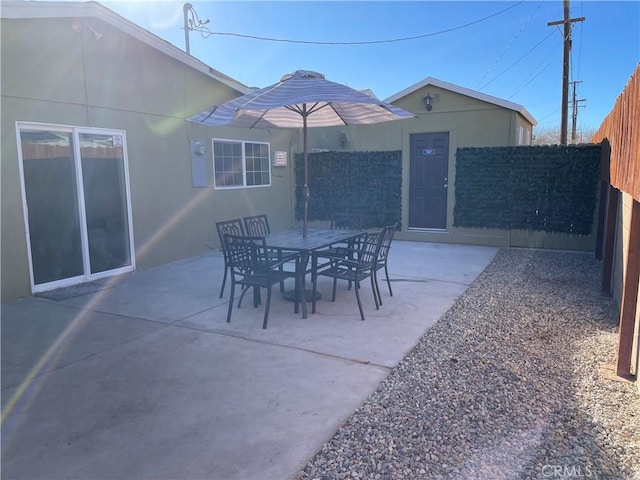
507, 385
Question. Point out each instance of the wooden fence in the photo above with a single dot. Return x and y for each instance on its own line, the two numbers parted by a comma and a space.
620, 135
620, 128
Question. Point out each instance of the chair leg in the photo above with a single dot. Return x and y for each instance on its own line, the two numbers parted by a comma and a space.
357, 289
224, 280
296, 302
386, 272
257, 300
266, 308
233, 289
335, 284
374, 289
281, 269
296, 288
376, 293
314, 288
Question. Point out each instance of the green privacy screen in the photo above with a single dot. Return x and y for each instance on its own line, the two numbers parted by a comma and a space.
367, 183
548, 188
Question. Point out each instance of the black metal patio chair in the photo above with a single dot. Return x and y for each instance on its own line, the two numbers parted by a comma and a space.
258, 226
345, 221
357, 266
386, 237
251, 267
228, 227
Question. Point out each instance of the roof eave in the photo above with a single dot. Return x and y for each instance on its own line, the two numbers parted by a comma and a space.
464, 91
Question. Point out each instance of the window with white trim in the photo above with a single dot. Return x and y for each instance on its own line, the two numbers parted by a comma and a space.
240, 164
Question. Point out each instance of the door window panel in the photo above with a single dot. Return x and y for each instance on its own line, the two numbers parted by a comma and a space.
52, 204
103, 179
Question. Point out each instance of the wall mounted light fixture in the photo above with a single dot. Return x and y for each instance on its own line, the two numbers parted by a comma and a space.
77, 27
428, 102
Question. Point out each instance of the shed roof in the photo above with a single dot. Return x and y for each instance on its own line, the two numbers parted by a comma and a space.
464, 91
21, 9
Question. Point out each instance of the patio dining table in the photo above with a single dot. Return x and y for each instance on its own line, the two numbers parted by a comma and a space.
316, 239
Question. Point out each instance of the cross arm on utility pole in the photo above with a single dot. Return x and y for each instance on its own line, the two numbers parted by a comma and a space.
570, 20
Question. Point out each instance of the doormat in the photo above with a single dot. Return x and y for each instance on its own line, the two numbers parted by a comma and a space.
73, 291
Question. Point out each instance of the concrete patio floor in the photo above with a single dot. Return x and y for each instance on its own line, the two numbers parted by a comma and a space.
146, 380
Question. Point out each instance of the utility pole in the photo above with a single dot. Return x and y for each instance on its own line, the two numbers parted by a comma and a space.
565, 67
575, 104
186, 8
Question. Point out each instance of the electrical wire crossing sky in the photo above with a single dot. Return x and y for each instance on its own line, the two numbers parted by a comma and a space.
501, 48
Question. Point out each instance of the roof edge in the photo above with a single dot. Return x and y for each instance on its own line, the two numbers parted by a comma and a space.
464, 91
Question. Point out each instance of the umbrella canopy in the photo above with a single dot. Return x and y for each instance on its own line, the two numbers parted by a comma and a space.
300, 100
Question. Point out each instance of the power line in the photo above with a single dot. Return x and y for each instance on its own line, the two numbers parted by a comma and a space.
206, 33
522, 28
540, 122
580, 39
530, 78
514, 63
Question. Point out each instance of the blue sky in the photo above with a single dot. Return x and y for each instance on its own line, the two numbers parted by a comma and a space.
513, 55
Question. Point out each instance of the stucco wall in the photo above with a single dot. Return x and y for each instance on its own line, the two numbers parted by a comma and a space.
52, 74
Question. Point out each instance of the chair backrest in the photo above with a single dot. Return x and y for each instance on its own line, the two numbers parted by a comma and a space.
345, 221
386, 237
228, 227
257, 225
246, 254
368, 248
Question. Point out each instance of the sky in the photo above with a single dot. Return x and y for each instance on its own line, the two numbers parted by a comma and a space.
501, 48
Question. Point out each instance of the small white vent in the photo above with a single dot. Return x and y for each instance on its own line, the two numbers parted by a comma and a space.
280, 158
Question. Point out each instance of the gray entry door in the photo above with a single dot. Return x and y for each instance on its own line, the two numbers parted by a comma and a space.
428, 182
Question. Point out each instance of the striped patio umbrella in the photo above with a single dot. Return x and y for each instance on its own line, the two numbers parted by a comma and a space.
300, 100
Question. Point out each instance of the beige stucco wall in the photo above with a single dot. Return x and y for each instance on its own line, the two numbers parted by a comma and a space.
54, 75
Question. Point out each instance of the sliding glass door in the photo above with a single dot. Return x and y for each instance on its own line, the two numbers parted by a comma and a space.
77, 209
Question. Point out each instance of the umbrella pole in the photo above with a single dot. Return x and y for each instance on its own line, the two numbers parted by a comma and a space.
306, 171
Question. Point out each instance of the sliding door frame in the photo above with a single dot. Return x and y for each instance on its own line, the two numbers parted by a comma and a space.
75, 133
